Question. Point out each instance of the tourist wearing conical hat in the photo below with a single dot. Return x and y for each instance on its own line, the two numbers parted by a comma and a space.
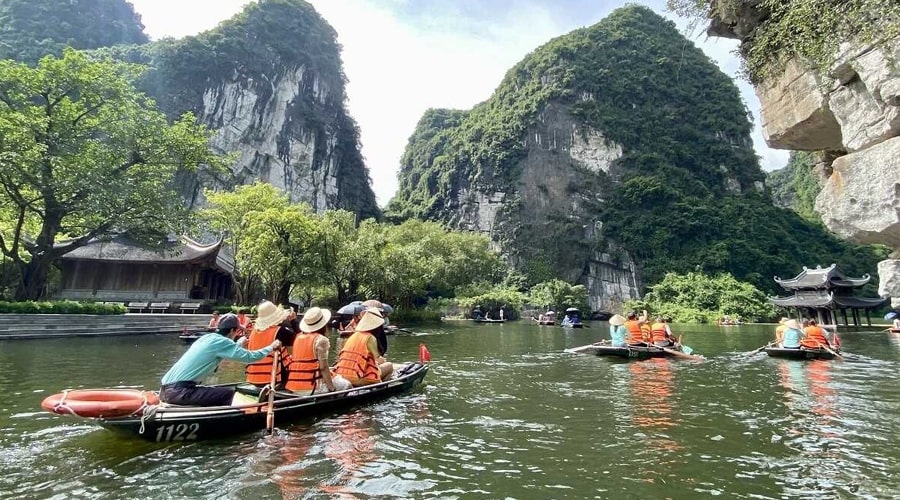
617, 331
359, 360
792, 335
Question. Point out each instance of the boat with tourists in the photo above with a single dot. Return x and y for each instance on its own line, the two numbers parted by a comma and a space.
572, 319
488, 320
802, 353
140, 413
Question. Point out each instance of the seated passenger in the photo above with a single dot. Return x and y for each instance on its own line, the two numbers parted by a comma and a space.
779, 330
309, 372
792, 335
814, 336
181, 384
659, 333
567, 321
213, 324
633, 324
359, 361
268, 322
617, 331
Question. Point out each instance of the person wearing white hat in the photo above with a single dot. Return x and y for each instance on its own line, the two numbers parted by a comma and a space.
792, 335
617, 331
359, 361
268, 321
309, 372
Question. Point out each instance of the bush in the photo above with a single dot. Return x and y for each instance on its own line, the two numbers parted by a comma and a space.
61, 307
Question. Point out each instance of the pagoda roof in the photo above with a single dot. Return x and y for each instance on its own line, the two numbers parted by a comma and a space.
182, 250
822, 278
824, 299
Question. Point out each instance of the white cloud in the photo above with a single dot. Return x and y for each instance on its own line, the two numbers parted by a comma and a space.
399, 67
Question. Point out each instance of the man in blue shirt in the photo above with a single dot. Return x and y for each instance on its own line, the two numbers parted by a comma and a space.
181, 384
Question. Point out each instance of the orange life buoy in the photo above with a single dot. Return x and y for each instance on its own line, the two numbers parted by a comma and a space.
99, 403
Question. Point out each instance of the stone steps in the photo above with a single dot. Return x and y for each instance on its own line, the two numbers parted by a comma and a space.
34, 326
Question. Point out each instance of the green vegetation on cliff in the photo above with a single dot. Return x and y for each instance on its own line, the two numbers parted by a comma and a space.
811, 30
796, 186
685, 195
31, 29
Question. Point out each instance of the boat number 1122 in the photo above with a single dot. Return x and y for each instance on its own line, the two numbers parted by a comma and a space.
180, 432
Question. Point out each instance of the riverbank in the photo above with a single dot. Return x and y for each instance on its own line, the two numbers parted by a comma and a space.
40, 326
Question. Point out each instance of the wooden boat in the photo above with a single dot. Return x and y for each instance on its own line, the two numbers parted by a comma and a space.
895, 330
572, 325
164, 423
633, 352
485, 320
189, 336
549, 322
802, 353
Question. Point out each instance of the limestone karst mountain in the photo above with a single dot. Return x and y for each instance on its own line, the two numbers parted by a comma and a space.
269, 82
610, 156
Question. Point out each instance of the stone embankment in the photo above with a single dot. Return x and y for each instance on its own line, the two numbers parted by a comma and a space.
43, 326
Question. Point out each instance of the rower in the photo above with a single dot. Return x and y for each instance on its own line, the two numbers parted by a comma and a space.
660, 334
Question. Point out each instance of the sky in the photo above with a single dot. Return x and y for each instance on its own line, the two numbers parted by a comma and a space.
402, 57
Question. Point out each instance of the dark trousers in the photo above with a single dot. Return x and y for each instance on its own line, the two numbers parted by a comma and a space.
192, 394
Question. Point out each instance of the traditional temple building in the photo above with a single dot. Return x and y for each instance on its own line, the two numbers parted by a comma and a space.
120, 271
822, 294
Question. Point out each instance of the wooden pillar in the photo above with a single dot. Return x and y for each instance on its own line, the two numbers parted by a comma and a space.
155, 287
844, 314
868, 318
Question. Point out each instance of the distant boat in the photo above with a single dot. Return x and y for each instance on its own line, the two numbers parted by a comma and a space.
190, 336
487, 320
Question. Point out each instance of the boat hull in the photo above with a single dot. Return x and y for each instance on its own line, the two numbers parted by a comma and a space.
630, 352
802, 353
183, 423
575, 325
490, 321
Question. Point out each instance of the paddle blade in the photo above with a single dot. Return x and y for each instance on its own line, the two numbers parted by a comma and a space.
687, 350
836, 341
424, 355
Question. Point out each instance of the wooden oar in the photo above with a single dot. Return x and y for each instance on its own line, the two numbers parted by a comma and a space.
584, 347
751, 353
829, 350
270, 411
680, 354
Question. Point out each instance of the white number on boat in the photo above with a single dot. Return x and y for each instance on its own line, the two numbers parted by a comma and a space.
180, 432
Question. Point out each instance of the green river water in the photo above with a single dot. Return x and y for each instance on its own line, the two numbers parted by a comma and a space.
504, 413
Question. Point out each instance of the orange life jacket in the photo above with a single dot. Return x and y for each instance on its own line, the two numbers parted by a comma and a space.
356, 362
634, 329
814, 336
304, 370
658, 332
260, 372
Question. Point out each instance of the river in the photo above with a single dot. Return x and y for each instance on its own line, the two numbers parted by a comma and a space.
504, 413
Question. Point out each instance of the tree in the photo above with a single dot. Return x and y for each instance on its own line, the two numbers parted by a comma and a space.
83, 155
228, 213
700, 298
278, 248
559, 294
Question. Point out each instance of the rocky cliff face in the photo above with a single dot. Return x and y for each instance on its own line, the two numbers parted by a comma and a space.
594, 139
852, 111
269, 83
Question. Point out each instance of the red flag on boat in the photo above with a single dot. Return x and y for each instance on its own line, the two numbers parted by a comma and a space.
424, 355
